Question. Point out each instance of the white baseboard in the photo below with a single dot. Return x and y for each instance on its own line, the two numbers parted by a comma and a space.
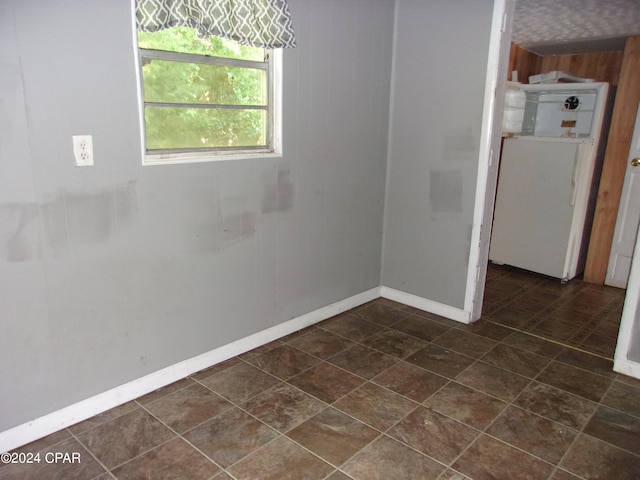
627, 367
430, 306
65, 417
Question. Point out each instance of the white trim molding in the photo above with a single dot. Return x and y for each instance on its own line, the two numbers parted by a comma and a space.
72, 414
426, 305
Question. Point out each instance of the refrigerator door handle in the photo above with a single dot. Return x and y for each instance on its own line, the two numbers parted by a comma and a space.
574, 177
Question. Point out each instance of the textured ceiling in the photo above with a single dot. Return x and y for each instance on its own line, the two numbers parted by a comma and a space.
548, 27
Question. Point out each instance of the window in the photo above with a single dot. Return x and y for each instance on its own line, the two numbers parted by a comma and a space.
207, 98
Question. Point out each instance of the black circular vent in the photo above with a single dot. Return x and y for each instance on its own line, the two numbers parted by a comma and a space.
571, 103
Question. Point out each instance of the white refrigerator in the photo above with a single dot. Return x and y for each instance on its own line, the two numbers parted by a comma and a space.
547, 184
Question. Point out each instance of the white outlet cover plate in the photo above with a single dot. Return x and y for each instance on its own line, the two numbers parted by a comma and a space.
83, 150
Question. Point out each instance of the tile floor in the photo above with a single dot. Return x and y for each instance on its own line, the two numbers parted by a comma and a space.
388, 392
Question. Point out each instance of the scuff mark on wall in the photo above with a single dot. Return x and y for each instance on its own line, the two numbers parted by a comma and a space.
19, 232
227, 220
445, 191
461, 146
235, 228
70, 218
278, 196
11, 100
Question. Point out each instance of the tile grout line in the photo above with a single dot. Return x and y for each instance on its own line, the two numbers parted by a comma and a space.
557, 342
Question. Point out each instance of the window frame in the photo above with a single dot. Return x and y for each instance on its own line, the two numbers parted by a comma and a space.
273, 67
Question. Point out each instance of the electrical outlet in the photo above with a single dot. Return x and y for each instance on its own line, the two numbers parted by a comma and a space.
83, 150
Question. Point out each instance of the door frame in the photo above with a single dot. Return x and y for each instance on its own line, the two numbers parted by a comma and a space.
621, 362
619, 225
488, 159
488, 155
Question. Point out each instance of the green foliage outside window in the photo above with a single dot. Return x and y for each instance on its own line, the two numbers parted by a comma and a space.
183, 85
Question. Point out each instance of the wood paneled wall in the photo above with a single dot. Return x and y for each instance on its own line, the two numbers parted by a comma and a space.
602, 67
524, 62
615, 163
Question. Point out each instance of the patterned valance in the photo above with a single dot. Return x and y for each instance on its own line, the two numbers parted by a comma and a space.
258, 23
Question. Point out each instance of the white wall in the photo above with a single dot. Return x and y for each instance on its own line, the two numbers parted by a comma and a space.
440, 66
111, 272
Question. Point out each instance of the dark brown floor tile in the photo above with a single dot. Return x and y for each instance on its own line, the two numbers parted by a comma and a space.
562, 475
411, 381
593, 459
490, 459
568, 313
104, 417
439, 319
440, 360
217, 368
262, 349
557, 405
386, 458
284, 362
555, 330
420, 327
634, 382
283, 407
280, 460
600, 344
466, 405
511, 317
333, 436
486, 329
375, 406
392, 303
299, 333
616, 428
545, 295
623, 397
526, 304
161, 392
466, 343
449, 474
338, 475
493, 381
598, 294
517, 361
125, 437
222, 476
187, 408
575, 380
582, 304
230, 436
434, 434
395, 343
529, 343
321, 343
362, 361
43, 442
536, 435
240, 382
381, 314
353, 328
576, 340
608, 325
588, 362
174, 460
79, 464
326, 382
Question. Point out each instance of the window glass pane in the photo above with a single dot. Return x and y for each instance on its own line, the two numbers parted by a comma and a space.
168, 128
186, 40
179, 82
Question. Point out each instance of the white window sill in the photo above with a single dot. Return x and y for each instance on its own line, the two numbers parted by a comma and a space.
173, 159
